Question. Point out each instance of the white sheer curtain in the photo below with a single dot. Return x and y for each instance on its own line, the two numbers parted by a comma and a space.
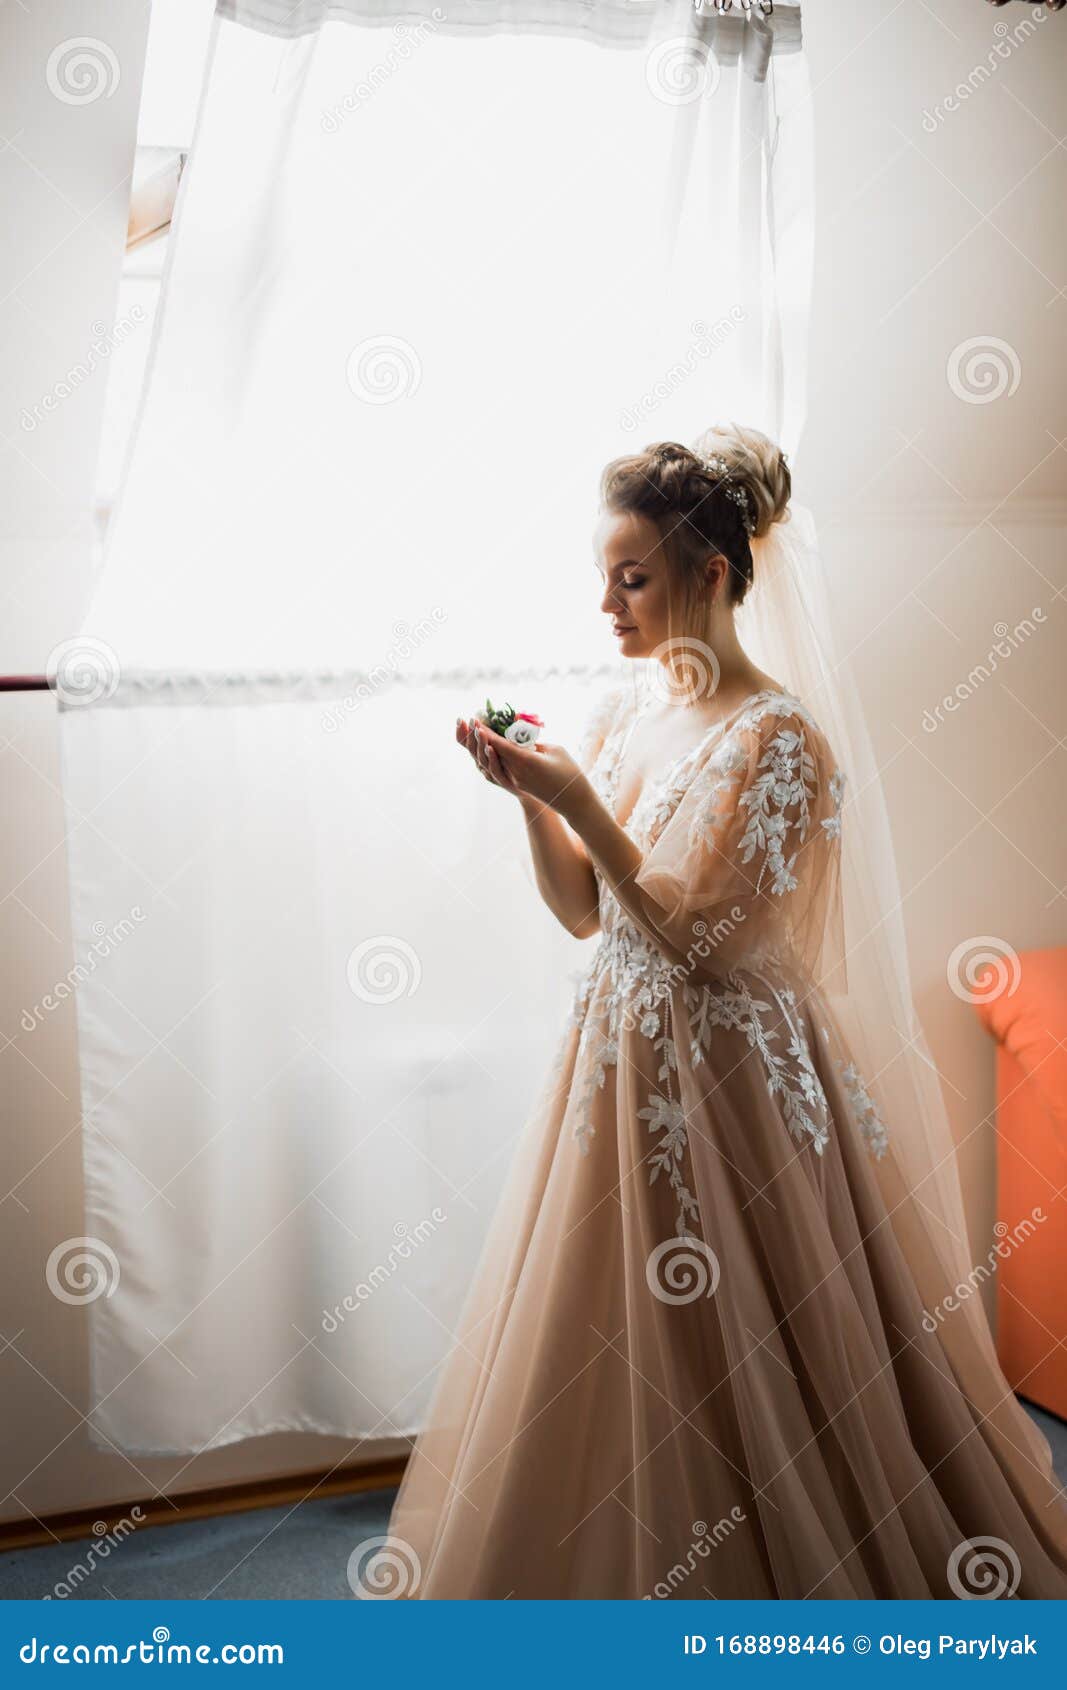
427, 275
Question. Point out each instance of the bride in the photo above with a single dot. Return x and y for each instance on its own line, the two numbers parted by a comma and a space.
711, 1349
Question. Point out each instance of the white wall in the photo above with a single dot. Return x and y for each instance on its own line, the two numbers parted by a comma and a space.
940, 221
941, 519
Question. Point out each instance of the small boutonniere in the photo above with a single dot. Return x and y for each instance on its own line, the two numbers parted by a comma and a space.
521, 727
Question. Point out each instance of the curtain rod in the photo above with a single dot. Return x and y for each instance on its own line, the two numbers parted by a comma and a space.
490, 673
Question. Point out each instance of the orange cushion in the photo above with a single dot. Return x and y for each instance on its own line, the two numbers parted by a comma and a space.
1030, 1026
1031, 1023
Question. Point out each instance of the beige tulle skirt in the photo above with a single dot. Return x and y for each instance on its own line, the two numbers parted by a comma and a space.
699, 1361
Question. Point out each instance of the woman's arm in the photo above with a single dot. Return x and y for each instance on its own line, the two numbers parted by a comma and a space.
749, 858
547, 779
683, 942
565, 877
564, 874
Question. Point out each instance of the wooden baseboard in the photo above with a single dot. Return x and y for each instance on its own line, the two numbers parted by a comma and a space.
202, 1504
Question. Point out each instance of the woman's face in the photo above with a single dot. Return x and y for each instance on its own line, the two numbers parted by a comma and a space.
633, 569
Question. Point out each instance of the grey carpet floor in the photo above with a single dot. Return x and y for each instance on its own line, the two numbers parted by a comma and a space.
289, 1553
294, 1552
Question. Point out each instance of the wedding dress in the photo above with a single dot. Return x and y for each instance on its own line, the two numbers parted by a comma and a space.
726, 1338
695, 1361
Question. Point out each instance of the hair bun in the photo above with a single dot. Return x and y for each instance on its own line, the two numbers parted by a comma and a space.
756, 464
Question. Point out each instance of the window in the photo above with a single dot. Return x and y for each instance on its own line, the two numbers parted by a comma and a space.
178, 40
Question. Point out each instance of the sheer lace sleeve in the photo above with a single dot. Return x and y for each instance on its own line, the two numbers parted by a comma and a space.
599, 724
749, 858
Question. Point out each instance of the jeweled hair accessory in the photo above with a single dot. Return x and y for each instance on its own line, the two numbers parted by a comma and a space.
718, 466
767, 6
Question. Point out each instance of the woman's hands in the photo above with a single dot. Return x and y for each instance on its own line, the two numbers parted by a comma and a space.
536, 774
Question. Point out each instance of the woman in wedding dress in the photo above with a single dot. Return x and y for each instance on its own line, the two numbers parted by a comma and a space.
706, 1352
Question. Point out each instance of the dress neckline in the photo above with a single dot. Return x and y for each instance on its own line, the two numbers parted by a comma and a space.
670, 772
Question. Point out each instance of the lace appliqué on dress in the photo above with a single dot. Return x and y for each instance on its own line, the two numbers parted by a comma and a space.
791, 1075
785, 784
596, 1068
868, 1120
667, 1116
779, 803
832, 824
633, 982
637, 996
